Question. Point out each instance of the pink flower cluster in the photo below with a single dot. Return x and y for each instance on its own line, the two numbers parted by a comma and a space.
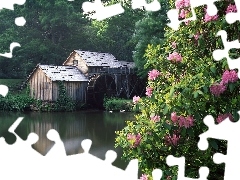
208, 18
149, 91
231, 8
217, 89
134, 139
136, 99
175, 57
182, 3
155, 118
153, 74
229, 76
222, 117
172, 140
182, 121
144, 177
183, 13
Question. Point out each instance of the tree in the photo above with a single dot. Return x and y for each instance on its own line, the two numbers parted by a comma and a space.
148, 30
53, 30
114, 34
185, 85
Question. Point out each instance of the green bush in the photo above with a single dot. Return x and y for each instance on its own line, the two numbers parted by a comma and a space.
185, 85
116, 104
16, 102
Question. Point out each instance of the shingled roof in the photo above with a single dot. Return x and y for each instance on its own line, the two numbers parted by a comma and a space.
63, 73
102, 59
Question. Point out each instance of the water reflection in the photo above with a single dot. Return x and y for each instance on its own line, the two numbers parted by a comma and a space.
73, 127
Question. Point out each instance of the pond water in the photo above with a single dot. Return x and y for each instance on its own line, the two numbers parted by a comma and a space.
73, 127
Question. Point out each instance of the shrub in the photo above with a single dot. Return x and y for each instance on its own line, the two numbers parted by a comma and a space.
116, 104
190, 85
64, 102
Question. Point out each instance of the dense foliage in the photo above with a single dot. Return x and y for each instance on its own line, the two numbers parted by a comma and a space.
184, 85
148, 30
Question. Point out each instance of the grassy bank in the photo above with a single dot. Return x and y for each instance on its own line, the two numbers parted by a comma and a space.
117, 104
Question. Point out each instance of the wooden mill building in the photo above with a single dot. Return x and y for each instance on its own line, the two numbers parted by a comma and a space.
44, 82
88, 77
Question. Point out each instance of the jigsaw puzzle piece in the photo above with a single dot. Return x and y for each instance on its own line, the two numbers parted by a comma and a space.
102, 12
157, 174
216, 131
232, 17
180, 162
173, 14
101, 168
58, 149
9, 4
12, 46
8, 134
219, 54
3, 90
153, 6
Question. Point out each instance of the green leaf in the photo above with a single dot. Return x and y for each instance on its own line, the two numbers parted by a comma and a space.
213, 69
167, 126
183, 132
190, 132
199, 92
165, 111
171, 91
205, 88
213, 144
231, 87
195, 94
148, 146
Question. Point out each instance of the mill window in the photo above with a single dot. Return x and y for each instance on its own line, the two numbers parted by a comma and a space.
75, 62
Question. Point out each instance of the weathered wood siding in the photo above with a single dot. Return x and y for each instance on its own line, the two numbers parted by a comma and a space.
40, 86
75, 90
82, 66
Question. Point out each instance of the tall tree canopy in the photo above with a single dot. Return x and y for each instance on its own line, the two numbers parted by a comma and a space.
148, 30
55, 28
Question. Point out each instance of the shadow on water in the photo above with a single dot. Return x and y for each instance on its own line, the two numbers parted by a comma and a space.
73, 127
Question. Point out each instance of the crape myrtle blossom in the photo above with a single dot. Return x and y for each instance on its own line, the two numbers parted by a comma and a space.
182, 121
182, 3
186, 122
183, 13
231, 8
134, 139
229, 76
208, 18
222, 117
174, 117
172, 140
149, 91
175, 57
153, 74
144, 177
217, 89
155, 118
136, 99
